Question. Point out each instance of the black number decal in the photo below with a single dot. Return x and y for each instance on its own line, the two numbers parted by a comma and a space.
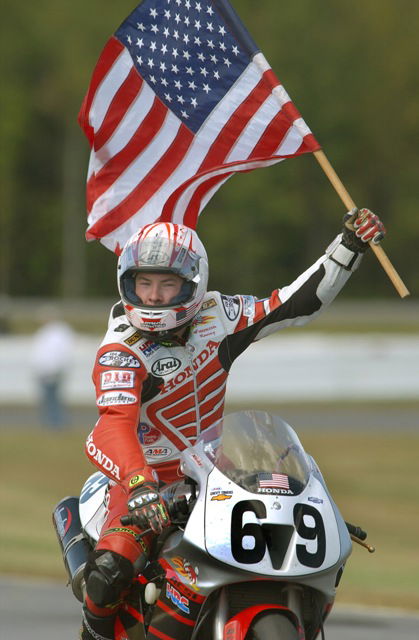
316, 532
274, 536
238, 532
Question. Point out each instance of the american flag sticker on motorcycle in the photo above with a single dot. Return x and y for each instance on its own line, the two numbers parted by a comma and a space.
273, 480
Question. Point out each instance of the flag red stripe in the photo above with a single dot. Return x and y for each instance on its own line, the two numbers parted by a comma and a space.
119, 105
271, 78
193, 208
99, 183
143, 191
310, 144
228, 135
109, 55
268, 142
291, 111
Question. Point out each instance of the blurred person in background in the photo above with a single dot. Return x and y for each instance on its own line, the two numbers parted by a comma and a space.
52, 353
160, 376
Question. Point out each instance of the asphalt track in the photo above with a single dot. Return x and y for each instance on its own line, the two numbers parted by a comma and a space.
48, 611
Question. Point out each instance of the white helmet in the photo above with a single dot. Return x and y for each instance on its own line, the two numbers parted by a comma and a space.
163, 248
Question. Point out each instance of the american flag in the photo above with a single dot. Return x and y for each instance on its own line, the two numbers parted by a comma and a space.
273, 480
180, 99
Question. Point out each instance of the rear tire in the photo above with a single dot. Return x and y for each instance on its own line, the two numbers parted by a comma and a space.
272, 626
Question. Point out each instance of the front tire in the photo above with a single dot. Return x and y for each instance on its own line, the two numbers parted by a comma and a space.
272, 626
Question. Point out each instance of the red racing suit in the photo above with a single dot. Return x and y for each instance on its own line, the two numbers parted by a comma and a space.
154, 400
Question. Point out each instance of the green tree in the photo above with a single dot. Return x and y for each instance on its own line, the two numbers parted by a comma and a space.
351, 68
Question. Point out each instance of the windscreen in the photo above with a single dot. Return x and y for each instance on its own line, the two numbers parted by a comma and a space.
258, 451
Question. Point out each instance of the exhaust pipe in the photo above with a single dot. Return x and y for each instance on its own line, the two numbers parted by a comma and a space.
73, 543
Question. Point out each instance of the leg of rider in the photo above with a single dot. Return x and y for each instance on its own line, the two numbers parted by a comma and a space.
110, 571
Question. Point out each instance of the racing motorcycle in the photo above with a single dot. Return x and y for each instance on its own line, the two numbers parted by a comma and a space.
256, 548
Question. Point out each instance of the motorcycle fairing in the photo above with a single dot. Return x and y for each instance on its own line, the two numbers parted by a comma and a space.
217, 496
240, 527
238, 626
175, 612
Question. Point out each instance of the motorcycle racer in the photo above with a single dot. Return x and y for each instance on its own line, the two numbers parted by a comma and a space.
160, 376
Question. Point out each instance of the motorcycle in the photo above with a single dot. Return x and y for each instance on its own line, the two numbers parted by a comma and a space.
256, 548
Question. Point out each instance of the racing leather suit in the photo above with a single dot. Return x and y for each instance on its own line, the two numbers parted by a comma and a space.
154, 400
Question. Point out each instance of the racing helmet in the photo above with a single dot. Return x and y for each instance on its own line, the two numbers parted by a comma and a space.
163, 248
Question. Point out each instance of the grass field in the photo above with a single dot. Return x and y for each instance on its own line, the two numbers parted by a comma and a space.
373, 478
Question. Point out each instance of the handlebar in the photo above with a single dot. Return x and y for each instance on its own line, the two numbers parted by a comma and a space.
356, 531
178, 508
359, 535
127, 520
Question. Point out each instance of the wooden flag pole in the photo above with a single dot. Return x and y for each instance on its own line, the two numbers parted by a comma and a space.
349, 204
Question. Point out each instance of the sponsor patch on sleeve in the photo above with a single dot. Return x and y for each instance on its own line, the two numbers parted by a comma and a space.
133, 338
118, 359
112, 398
117, 379
231, 306
248, 306
207, 304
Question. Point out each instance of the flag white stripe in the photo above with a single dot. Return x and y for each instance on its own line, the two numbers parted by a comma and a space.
128, 125
254, 130
302, 127
290, 143
137, 170
91, 169
279, 91
108, 87
179, 210
188, 193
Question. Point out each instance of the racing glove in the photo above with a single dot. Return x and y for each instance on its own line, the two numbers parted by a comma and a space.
361, 226
147, 508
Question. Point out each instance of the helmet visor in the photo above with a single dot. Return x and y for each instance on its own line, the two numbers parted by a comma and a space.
130, 295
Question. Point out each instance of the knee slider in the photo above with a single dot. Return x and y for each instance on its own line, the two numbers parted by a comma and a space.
107, 576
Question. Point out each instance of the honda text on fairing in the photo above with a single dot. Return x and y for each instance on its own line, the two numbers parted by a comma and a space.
256, 549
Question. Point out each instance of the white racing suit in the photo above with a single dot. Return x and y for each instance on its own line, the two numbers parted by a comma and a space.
154, 400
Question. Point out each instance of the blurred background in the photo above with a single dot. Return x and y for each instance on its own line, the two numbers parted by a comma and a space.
348, 383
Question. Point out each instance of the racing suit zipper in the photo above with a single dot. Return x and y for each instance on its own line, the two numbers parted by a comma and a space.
190, 349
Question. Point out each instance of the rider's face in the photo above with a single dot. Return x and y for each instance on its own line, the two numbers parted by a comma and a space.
157, 289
